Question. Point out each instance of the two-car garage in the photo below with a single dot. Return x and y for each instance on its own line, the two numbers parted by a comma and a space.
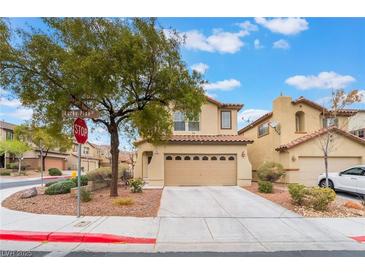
200, 169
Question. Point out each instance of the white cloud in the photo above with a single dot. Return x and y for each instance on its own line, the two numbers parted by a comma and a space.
9, 102
222, 85
249, 115
19, 113
286, 26
362, 93
200, 67
281, 44
212, 95
248, 26
324, 80
257, 44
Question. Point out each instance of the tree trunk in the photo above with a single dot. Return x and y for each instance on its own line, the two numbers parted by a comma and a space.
326, 167
44, 160
19, 165
114, 150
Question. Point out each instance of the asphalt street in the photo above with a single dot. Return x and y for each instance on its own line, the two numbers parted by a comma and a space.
24, 183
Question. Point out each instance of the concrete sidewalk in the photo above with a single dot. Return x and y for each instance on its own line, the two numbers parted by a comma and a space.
229, 227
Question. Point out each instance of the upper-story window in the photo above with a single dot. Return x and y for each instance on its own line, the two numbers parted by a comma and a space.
299, 121
359, 133
181, 124
86, 150
9, 135
330, 121
263, 129
226, 120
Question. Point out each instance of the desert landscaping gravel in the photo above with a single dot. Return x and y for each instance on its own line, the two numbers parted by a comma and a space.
146, 204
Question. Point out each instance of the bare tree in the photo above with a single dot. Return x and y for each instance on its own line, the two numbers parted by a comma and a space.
339, 100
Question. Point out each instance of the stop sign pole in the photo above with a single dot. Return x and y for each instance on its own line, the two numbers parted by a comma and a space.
81, 134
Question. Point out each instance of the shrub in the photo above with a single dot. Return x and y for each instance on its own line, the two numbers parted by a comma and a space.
270, 171
265, 187
54, 171
103, 173
51, 183
124, 201
4, 173
297, 193
61, 187
136, 185
13, 166
320, 198
85, 195
83, 180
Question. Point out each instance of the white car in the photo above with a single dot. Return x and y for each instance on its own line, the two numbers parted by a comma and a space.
351, 180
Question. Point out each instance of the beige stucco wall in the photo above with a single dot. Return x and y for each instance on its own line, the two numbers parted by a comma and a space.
155, 170
210, 121
357, 121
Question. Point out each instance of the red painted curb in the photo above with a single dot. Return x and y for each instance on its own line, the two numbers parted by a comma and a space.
359, 238
71, 237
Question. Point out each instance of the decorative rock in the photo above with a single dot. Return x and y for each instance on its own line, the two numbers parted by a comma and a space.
29, 193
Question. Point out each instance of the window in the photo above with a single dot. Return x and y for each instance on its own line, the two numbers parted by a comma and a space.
180, 124
196, 158
222, 158
187, 158
86, 150
205, 158
169, 158
226, 120
359, 133
299, 121
263, 129
9, 135
178, 158
213, 158
330, 121
354, 171
179, 121
231, 158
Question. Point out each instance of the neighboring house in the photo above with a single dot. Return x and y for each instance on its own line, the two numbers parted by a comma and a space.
357, 124
6, 133
104, 155
89, 157
204, 152
289, 135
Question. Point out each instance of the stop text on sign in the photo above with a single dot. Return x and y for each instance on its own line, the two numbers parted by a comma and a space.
80, 131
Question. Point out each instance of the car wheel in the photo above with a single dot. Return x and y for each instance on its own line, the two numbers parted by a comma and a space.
322, 183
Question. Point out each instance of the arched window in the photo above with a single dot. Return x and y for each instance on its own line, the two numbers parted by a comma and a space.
213, 158
178, 158
231, 158
299, 121
205, 158
222, 158
187, 158
196, 158
168, 158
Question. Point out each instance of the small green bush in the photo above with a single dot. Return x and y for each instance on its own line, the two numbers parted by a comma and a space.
123, 201
319, 198
103, 173
4, 173
297, 193
85, 195
83, 180
270, 171
13, 166
265, 187
54, 171
61, 187
136, 185
51, 183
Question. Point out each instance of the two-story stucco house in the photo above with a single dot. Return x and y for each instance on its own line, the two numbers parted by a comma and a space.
204, 152
89, 157
291, 133
357, 124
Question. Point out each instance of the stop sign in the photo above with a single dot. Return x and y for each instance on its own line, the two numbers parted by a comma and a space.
80, 131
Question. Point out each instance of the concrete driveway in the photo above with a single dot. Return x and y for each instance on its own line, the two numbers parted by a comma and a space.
218, 202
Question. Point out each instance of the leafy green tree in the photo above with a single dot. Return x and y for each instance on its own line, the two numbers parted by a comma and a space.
15, 147
128, 70
43, 139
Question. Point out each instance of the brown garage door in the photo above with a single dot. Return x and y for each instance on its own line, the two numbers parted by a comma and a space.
312, 167
200, 169
54, 163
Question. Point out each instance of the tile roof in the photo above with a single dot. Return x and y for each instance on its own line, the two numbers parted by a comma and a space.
224, 105
6, 125
256, 122
213, 139
318, 133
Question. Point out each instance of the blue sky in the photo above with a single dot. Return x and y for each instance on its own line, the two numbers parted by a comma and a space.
253, 60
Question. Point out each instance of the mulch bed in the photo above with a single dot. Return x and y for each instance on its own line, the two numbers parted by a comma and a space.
282, 197
146, 204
